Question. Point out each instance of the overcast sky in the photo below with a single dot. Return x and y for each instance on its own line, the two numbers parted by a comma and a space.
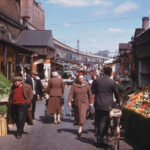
98, 24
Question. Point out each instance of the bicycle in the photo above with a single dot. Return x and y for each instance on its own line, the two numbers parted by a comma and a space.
114, 126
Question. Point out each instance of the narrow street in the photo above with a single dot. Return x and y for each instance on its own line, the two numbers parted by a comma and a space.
44, 135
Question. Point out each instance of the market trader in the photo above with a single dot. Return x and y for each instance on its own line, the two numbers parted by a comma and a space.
103, 89
20, 96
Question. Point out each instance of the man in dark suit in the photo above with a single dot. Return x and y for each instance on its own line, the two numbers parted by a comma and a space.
103, 89
34, 84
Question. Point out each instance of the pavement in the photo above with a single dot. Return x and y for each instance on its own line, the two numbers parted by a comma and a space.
44, 135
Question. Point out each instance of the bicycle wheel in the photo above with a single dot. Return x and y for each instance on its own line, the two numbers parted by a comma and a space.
117, 143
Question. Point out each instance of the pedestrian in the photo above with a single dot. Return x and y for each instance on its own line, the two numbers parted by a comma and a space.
103, 89
55, 91
94, 78
40, 88
81, 94
35, 88
90, 113
87, 76
20, 98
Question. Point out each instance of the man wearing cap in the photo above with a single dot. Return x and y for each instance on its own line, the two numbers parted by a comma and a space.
33, 82
20, 97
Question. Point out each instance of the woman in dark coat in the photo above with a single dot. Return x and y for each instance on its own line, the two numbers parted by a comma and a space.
81, 94
55, 91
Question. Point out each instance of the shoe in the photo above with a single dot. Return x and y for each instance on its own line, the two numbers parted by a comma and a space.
18, 136
79, 134
55, 122
58, 122
24, 132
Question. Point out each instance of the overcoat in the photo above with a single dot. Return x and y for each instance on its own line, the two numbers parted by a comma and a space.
82, 96
28, 95
103, 89
55, 90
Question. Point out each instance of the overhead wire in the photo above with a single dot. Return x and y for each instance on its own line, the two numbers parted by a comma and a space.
97, 21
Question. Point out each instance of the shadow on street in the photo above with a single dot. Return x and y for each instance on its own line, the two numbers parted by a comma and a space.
73, 131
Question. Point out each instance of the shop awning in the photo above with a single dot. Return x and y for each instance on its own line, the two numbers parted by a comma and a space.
36, 38
19, 48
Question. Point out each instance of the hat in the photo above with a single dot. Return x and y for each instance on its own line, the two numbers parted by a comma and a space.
34, 73
17, 78
54, 74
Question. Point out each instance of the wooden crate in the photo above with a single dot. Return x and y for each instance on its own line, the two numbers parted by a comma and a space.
3, 126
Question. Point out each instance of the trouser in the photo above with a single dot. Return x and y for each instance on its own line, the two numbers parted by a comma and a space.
101, 123
34, 105
20, 116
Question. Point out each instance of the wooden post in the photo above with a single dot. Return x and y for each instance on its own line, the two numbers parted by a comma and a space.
5, 59
14, 62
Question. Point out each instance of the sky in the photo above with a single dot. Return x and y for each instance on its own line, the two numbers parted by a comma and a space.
97, 24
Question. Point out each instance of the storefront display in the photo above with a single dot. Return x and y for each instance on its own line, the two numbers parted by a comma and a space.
136, 119
140, 103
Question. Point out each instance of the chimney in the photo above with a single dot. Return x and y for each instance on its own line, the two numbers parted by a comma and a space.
145, 23
39, 4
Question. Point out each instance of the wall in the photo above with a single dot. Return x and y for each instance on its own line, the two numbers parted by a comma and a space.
33, 10
11, 25
10, 8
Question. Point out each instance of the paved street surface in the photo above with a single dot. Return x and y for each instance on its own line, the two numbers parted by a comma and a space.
44, 135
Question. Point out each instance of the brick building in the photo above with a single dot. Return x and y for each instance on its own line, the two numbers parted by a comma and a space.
32, 10
12, 55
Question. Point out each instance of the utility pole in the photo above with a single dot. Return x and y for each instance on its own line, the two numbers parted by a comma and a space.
78, 42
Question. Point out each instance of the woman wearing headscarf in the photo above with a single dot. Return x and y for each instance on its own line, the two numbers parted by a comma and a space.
55, 91
81, 94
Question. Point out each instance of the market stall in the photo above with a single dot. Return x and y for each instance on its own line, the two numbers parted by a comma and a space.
136, 119
5, 85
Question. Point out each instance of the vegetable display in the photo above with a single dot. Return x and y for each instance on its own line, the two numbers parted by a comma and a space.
140, 103
5, 86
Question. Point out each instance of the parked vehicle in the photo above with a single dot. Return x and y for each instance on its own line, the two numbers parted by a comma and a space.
68, 77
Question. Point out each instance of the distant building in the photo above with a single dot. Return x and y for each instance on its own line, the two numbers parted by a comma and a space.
103, 53
33, 13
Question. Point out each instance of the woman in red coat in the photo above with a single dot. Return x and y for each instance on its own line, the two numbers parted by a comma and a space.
55, 90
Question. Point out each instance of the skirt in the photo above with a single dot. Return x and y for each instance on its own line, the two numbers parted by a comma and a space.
54, 105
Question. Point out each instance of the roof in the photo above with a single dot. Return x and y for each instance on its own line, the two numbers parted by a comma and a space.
123, 46
36, 38
143, 37
18, 47
138, 31
56, 42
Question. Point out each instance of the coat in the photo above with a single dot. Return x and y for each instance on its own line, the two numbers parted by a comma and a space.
55, 91
38, 87
55, 87
80, 93
28, 95
104, 88
81, 96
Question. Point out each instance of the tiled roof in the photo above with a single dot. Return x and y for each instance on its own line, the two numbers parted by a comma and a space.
36, 38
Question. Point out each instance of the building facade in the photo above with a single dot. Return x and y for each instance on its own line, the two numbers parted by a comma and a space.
12, 55
141, 51
33, 13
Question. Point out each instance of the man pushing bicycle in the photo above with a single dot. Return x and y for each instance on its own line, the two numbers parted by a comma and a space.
103, 89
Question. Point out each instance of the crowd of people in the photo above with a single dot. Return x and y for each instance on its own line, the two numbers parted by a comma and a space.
94, 92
